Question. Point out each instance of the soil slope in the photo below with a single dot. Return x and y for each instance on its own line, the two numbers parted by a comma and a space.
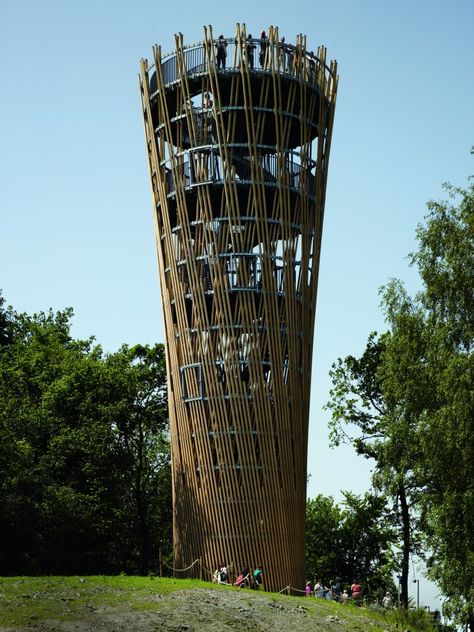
195, 610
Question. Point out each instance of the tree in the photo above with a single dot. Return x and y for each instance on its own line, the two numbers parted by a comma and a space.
385, 426
367, 539
352, 541
84, 455
6, 322
410, 399
445, 260
142, 427
323, 545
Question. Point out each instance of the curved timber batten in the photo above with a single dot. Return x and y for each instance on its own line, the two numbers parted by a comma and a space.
238, 155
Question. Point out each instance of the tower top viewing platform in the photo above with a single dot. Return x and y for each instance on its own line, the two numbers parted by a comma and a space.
268, 54
293, 60
242, 76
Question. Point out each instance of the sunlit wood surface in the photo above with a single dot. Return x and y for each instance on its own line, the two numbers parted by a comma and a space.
238, 158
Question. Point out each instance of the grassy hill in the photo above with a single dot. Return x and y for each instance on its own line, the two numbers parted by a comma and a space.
144, 604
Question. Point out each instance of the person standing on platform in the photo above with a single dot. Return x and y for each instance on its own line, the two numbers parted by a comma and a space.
282, 54
263, 48
250, 50
221, 47
297, 59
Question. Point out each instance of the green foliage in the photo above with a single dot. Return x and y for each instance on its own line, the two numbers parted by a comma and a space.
381, 423
26, 600
445, 259
410, 398
84, 455
445, 262
323, 545
350, 542
416, 620
6, 322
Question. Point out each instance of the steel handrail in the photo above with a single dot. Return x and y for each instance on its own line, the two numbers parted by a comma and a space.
199, 62
269, 154
233, 40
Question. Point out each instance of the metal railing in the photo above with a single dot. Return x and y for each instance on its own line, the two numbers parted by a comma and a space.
285, 59
204, 165
193, 382
244, 272
204, 132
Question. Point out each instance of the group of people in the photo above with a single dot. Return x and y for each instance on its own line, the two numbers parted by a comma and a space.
245, 579
333, 591
290, 56
221, 50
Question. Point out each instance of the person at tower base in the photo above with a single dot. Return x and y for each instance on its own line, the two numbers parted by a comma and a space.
387, 600
336, 589
356, 592
223, 574
257, 577
239, 582
318, 589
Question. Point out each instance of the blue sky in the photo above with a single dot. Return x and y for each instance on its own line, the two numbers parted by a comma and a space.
75, 203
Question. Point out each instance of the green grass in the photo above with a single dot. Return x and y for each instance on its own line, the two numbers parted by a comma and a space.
31, 600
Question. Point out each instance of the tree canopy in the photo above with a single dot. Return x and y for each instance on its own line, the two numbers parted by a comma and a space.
409, 400
84, 455
350, 542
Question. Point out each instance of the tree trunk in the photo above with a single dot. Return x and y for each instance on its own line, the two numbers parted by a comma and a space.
142, 509
471, 623
405, 547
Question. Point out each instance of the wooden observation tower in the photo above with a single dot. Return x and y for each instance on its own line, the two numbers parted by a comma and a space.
238, 150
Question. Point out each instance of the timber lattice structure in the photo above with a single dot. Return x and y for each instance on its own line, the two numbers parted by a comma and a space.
238, 155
